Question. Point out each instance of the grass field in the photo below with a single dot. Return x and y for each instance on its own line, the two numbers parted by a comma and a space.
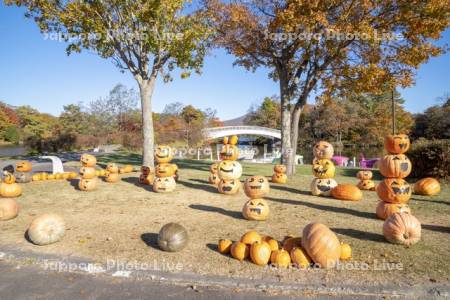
121, 221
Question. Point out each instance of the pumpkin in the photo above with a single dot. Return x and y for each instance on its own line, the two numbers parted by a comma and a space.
385, 209
87, 172
230, 169
322, 187
112, 177
112, 168
224, 246
87, 184
36, 177
395, 166
73, 175
65, 175
394, 190
58, 176
22, 177
126, 169
44, 176
147, 170
323, 150
250, 237
164, 184
291, 242
8, 178
273, 243
214, 179
366, 185
8, 209
163, 154
51, 177
300, 258
88, 160
260, 253
23, 166
46, 229
233, 140
256, 209
229, 187
239, 250
10, 190
346, 251
279, 178
402, 228
364, 175
321, 244
165, 170
397, 144
173, 237
256, 187
146, 179
323, 168
229, 152
214, 168
279, 169
346, 192
280, 258
427, 186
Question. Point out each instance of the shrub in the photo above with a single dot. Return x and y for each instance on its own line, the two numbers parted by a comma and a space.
11, 134
430, 158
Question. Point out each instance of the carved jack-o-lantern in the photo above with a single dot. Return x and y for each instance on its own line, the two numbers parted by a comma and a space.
279, 178
147, 170
88, 160
112, 177
397, 144
322, 187
163, 154
256, 187
229, 152
214, 179
366, 185
23, 166
279, 169
87, 184
164, 184
165, 170
87, 172
395, 166
256, 209
112, 168
394, 190
229, 186
214, 168
146, 179
229, 169
364, 175
323, 168
323, 150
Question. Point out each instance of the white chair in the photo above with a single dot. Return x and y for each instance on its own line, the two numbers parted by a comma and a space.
57, 166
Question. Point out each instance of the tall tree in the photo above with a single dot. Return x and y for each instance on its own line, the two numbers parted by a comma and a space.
73, 119
145, 37
267, 114
331, 46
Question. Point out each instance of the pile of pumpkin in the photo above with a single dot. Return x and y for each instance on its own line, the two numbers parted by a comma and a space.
42, 176
318, 245
229, 170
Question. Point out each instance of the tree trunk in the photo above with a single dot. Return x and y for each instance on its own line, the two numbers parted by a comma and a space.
286, 146
296, 114
146, 88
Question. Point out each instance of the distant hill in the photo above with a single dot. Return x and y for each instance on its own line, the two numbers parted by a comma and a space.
235, 122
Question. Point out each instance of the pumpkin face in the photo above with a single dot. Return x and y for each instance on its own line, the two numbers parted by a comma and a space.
394, 190
385, 209
427, 186
323, 168
323, 150
46, 229
147, 170
279, 178
164, 184
11, 190
23, 166
300, 258
112, 168
395, 166
87, 172
112, 177
256, 209
321, 244
322, 187
8, 209
146, 179
214, 168
214, 179
230, 169
239, 250
397, 144
279, 169
366, 185
260, 253
229, 187
229, 152
280, 258
364, 175
163, 154
165, 170
88, 160
87, 184
173, 237
402, 228
256, 187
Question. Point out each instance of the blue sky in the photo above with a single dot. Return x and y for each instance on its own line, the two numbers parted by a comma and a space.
37, 72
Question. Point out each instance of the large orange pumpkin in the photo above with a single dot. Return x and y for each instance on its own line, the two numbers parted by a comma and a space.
347, 192
402, 228
323, 168
394, 190
163, 154
164, 184
256, 209
323, 150
87, 184
322, 187
427, 186
8, 209
165, 170
23, 166
88, 160
87, 172
385, 209
256, 187
229, 187
397, 144
395, 166
229, 169
260, 253
321, 244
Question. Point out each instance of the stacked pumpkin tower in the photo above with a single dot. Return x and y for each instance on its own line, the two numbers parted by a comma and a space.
394, 191
323, 169
88, 181
279, 175
229, 170
256, 187
165, 171
112, 173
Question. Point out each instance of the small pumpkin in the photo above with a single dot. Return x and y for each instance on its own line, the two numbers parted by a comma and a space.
321, 244
229, 169
73, 175
273, 243
364, 175
224, 246
280, 258
126, 169
279, 169
260, 253
397, 144
347, 192
112, 168
10, 190
36, 177
292, 242
322, 187
233, 140
8, 177
300, 258
214, 179
239, 250
256, 209
395, 166
214, 168
427, 186
58, 176
173, 237
88, 160
256, 187
46, 229
402, 228
165, 170
279, 178
164, 184
229, 187
394, 190
8, 209
87, 184
385, 209
163, 154
112, 177
323, 150
24, 166
346, 251
44, 176
366, 185
147, 170
51, 177
65, 175
23, 177
323, 168
250, 237
146, 179
87, 172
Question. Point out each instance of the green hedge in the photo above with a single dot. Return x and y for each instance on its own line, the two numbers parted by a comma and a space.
430, 158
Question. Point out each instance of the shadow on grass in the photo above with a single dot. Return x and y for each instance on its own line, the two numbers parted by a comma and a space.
135, 181
229, 213
437, 228
341, 210
74, 183
360, 235
200, 181
433, 201
204, 187
150, 239
288, 189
